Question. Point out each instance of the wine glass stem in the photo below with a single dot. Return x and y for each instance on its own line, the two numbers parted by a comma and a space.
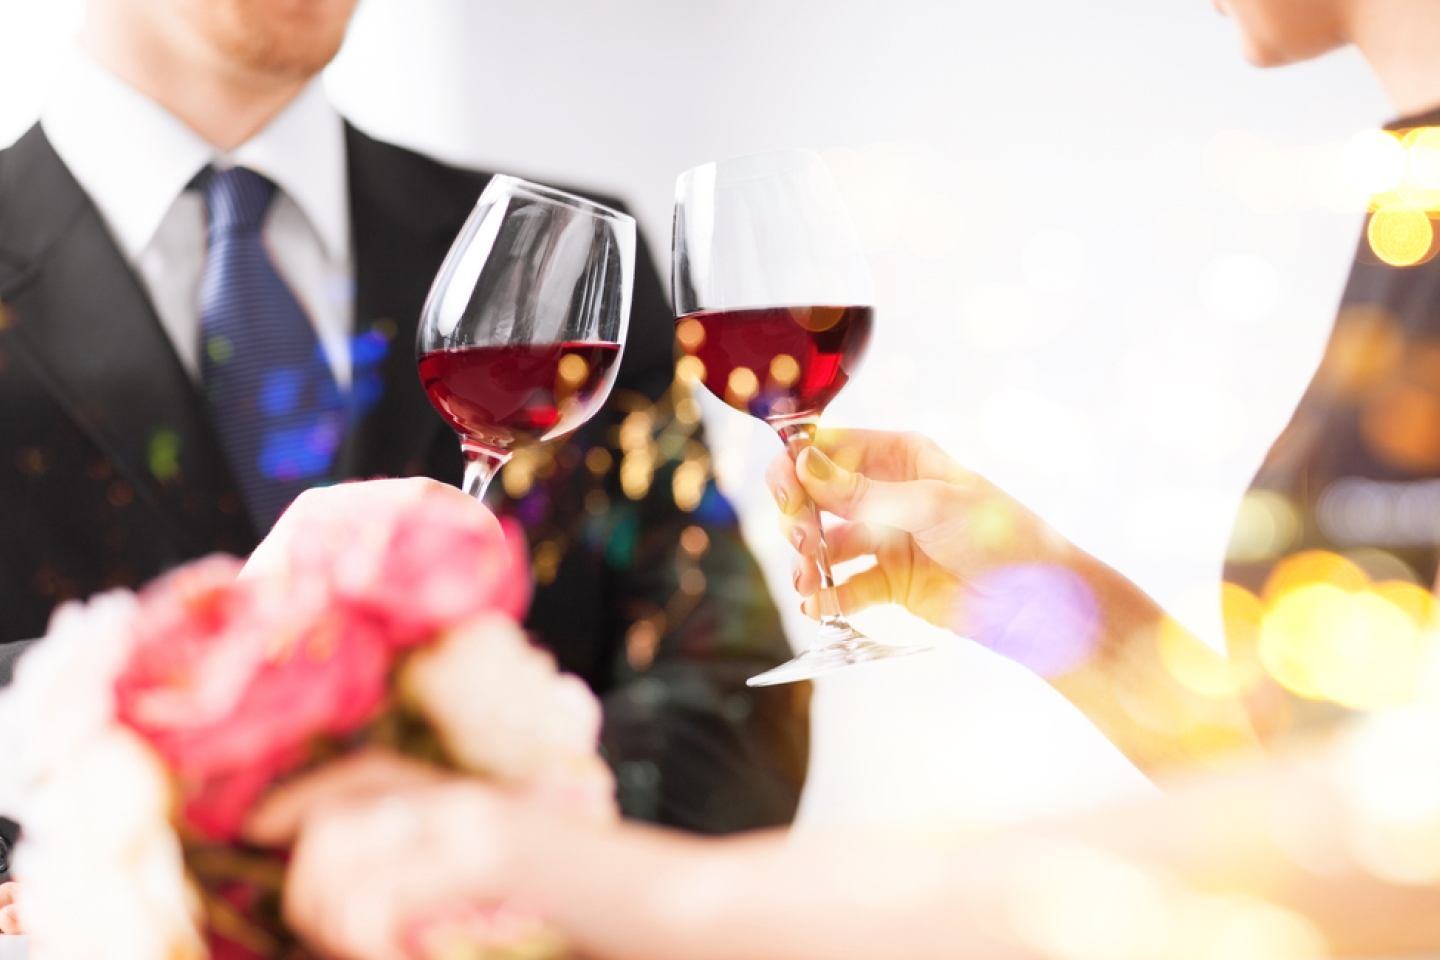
798, 435
481, 465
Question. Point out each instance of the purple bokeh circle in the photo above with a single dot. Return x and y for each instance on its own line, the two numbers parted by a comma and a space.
1043, 616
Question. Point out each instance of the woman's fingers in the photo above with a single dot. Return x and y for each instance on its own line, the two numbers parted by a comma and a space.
845, 541
784, 487
886, 456
912, 506
338, 892
279, 816
889, 456
868, 588
362, 872
877, 453
9, 915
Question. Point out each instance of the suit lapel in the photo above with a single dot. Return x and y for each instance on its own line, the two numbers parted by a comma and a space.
405, 211
80, 320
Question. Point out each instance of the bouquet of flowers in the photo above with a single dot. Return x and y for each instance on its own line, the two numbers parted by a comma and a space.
141, 732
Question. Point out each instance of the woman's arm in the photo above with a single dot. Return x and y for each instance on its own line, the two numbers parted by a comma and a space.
1256, 862
958, 551
1133, 883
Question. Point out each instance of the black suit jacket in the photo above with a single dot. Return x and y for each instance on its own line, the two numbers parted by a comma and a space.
110, 473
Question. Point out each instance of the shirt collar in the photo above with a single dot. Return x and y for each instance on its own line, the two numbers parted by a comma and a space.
133, 157
303, 151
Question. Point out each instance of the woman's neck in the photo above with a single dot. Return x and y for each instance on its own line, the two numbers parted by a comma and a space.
1401, 41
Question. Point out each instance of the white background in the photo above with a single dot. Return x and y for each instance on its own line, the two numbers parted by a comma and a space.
1106, 254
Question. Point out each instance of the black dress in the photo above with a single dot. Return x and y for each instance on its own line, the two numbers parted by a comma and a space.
1356, 473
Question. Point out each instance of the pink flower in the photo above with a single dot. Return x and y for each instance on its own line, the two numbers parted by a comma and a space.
415, 554
232, 677
230, 681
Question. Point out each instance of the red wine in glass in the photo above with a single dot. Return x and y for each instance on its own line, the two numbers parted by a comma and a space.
772, 298
519, 395
521, 336
777, 363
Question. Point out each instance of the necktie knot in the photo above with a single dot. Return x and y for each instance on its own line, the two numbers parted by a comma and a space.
237, 200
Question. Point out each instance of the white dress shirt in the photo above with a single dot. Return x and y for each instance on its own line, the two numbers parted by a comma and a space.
134, 158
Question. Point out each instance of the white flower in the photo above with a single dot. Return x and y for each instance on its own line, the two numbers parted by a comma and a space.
63, 695
499, 703
101, 870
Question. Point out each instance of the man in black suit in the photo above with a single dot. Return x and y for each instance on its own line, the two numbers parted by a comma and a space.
111, 466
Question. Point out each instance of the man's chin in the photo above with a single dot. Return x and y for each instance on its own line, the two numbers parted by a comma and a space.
1262, 57
281, 59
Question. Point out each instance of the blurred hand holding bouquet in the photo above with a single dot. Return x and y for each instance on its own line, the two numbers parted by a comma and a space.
144, 729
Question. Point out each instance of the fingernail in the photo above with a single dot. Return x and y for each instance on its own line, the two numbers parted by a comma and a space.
781, 498
818, 465
795, 579
797, 537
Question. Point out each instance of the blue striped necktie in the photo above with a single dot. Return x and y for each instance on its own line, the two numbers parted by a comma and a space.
272, 398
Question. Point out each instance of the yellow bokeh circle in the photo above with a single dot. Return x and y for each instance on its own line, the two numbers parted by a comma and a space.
1360, 650
1400, 234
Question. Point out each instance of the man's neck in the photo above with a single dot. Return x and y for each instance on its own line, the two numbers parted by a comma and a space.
223, 104
1401, 41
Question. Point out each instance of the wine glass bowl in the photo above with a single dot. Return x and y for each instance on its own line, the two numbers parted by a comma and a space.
521, 336
778, 364
774, 312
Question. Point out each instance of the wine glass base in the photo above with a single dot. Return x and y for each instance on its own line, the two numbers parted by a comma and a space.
835, 649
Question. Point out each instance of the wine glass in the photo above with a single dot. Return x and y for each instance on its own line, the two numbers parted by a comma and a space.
773, 308
521, 334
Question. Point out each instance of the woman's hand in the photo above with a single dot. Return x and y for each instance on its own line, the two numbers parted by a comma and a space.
370, 879
393, 858
282, 815
931, 525
380, 842
9, 916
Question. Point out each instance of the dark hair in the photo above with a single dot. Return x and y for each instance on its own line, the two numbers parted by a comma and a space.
9, 831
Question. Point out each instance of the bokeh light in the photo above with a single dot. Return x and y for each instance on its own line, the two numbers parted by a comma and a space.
1076, 903
1374, 161
1040, 615
1400, 234
1354, 649
1423, 148
1328, 633
1400, 418
1194, 665
164, 455
1393, 797
1066, 901
1366, 346
1270, 179
1266, 525
1355, 510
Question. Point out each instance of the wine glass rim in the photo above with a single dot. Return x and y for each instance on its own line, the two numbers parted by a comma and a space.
540, 191
799, 157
